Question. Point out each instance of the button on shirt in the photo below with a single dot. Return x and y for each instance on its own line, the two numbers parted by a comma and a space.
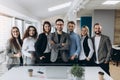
97, 42
74, 44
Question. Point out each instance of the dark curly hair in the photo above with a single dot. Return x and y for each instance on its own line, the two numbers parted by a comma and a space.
27, 32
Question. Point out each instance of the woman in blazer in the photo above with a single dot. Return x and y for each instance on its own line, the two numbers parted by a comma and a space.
86, 47
42, 45
13, 49
28, 49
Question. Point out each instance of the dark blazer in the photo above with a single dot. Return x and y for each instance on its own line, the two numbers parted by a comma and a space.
40, 45
104, 50
58, 46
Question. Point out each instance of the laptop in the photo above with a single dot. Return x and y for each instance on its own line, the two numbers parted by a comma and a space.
56, 72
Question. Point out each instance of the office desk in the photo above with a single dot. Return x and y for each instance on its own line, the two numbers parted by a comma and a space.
21, 73
116, 54
117, 47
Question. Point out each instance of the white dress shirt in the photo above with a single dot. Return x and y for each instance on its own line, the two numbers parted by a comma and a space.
28, 45
97, 42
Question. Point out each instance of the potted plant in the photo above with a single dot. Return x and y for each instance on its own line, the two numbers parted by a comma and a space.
77, 71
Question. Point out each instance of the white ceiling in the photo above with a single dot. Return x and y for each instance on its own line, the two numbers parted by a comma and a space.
96, 4
39, 8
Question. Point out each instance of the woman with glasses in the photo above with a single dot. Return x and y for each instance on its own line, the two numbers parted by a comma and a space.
13, 49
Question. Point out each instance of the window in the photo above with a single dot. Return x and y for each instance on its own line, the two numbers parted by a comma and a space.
27, 23
19, 24
5, 27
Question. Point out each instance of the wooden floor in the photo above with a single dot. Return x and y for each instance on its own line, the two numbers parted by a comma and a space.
115, 71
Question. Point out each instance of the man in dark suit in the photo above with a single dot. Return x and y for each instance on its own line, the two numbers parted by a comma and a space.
103, 47
59, 43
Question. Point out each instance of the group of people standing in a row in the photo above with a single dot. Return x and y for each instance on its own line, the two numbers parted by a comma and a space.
59, 46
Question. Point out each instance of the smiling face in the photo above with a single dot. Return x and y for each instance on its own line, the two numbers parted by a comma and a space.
47, 28
84, 31
31, 31
71, 27
59, 25
97, 29
15, 32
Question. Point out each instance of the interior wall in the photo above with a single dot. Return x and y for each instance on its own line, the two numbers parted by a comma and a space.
107, 20
117, 28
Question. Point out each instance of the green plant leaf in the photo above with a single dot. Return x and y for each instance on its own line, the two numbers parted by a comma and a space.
77, 71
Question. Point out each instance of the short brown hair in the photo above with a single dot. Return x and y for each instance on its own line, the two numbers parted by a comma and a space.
96, 24
72, 22
59, 20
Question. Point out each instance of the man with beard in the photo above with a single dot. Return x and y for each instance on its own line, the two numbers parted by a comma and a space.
103, 47
74, 43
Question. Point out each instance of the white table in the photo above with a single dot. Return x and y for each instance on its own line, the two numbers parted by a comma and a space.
21, 73
116, 53
115, 47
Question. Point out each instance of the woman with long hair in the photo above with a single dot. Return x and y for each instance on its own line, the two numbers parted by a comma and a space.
28, 49
13, 49
42, 45
87, 50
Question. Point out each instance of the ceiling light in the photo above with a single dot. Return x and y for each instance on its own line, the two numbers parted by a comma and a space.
110, 2
59, 6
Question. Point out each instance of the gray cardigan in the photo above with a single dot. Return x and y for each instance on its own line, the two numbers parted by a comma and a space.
10, 50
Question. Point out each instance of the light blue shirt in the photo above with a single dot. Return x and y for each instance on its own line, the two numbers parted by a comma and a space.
74, 44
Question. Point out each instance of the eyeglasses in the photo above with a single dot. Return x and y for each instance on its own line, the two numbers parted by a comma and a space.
59, 24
